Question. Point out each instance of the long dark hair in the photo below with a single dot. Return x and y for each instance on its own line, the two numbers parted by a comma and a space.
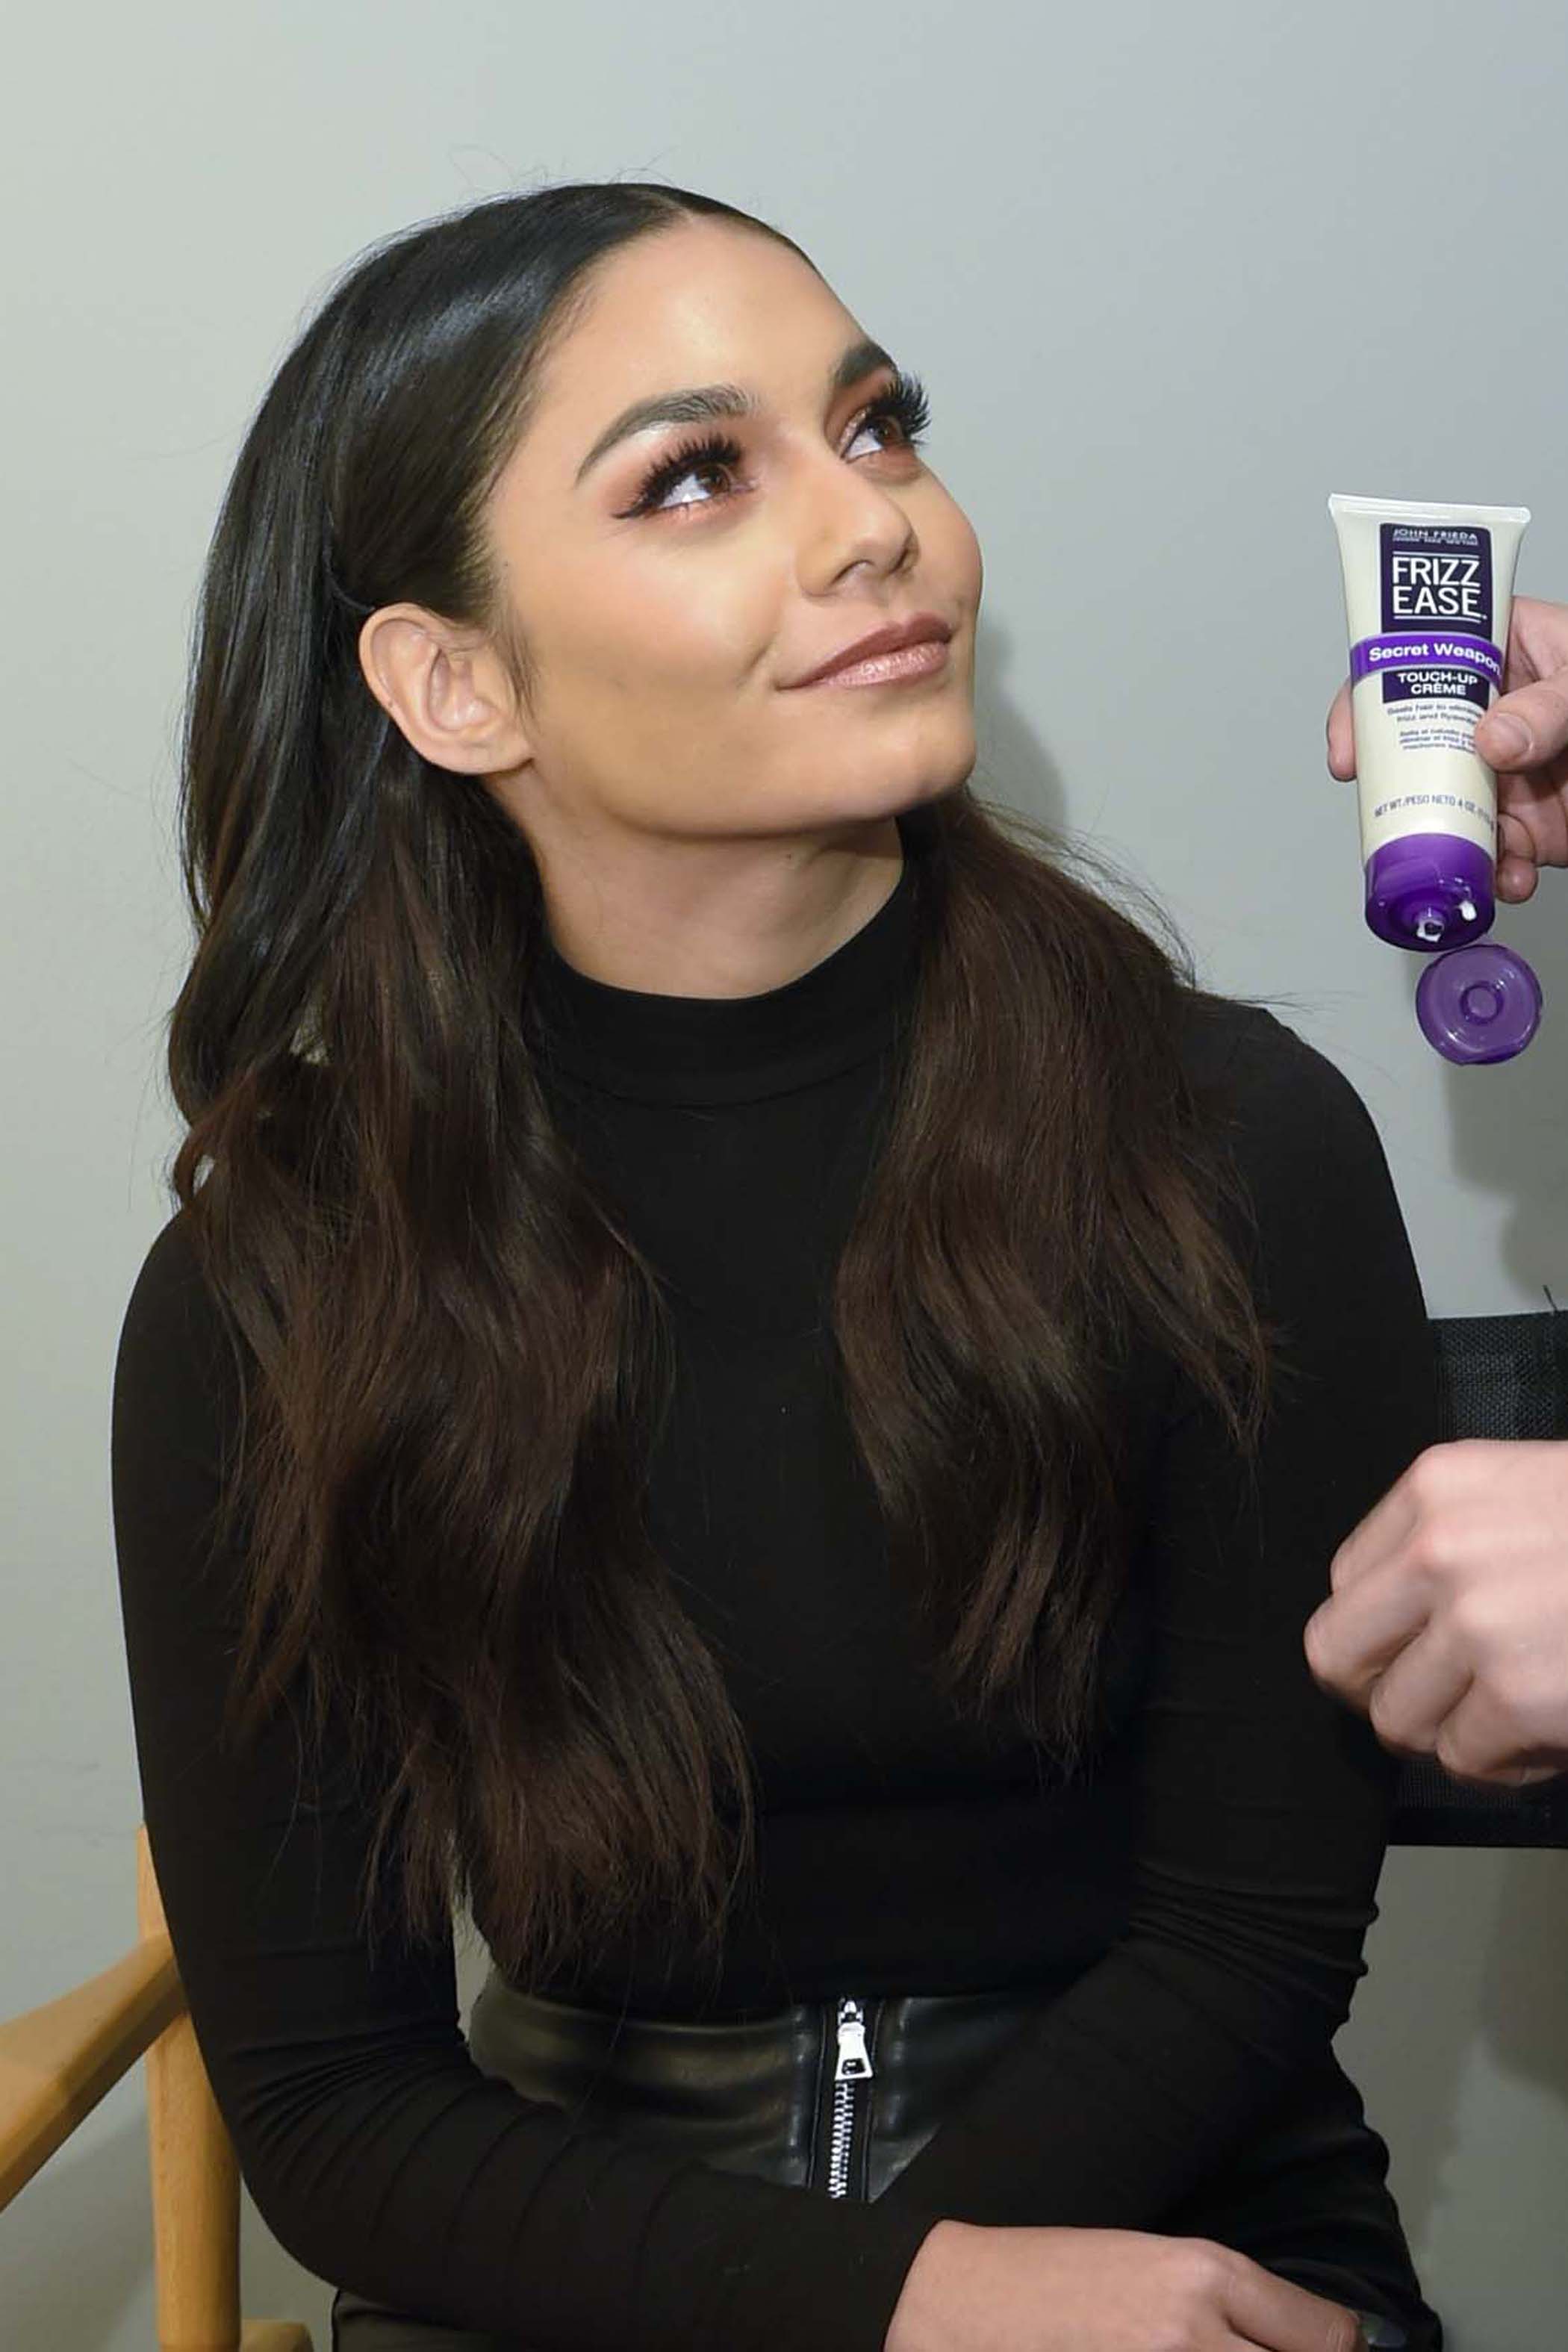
454, 1356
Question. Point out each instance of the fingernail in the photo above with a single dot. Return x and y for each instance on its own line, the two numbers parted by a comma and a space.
1378, 2331
1509, 735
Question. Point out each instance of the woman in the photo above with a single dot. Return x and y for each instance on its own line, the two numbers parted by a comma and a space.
747, 1378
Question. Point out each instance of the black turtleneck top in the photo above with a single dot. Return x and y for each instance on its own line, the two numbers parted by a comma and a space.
1197, 1900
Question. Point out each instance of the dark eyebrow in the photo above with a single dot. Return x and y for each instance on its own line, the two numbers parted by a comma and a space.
704, 402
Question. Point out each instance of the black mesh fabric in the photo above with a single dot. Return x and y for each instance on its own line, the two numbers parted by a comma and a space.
1499, 1376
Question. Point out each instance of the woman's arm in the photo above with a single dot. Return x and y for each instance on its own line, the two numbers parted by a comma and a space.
1264, 1804
375, 2149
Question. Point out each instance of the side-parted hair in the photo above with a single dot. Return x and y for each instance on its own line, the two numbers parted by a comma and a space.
455, 1357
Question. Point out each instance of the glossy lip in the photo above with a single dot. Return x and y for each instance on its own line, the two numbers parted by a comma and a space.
919, 629
899, 667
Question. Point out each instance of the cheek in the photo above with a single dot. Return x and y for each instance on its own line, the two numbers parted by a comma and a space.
693, 633
954, 552
721, 627
668, 698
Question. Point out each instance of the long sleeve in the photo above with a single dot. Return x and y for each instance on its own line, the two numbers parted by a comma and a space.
375, 2149
1263, 1803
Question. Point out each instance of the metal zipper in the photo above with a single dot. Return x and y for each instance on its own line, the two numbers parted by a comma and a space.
853, 2067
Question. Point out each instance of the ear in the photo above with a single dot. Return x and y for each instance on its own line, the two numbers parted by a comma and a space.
446, 687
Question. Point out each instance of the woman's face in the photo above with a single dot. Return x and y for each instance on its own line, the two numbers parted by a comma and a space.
665, 645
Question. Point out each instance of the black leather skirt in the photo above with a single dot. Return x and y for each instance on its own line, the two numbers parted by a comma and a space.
831, 2096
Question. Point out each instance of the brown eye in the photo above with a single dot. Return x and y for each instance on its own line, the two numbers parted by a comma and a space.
903, 404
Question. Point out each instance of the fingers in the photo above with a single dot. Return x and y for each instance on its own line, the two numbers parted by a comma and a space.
1536, 804
1341, 736
1480, 1741
1353, 1641
1410, 1702
1385, 1528
1527, 727
1276, 2311
1516, 879
1517, 872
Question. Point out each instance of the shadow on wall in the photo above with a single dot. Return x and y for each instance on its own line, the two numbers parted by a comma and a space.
1469, 1954
1525, 1997
78, 2250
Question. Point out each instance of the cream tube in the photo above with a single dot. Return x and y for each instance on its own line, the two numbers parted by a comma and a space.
1428, 591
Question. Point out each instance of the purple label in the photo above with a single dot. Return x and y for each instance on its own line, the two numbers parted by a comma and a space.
1437, 649
1436, 640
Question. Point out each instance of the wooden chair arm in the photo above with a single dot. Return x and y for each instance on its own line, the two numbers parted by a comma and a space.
56, 2062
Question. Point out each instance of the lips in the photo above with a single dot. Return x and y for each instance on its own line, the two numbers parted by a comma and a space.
921, 629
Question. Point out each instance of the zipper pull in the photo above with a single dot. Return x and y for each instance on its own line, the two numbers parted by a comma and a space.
854, 2061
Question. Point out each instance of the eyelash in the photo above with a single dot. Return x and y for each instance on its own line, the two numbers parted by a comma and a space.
904, 401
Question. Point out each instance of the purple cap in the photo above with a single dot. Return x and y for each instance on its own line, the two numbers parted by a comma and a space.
1478, 1003
1429, 890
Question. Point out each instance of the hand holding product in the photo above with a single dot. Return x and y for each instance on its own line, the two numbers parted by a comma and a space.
1523, 739
1428, 593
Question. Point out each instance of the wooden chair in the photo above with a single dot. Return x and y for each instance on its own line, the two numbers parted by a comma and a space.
56, 2062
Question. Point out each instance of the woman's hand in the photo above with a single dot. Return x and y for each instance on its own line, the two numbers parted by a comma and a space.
1026, 2289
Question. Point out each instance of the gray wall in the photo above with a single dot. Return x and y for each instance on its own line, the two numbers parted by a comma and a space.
1171, 275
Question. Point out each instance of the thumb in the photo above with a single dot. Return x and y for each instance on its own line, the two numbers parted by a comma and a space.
1528, 727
